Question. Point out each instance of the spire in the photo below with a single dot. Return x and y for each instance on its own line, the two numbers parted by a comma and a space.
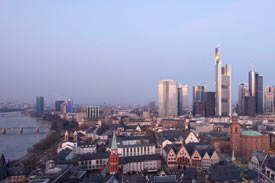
217, 54
252, 65
114, 143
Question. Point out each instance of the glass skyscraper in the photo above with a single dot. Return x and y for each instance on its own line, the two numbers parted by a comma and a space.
39, 104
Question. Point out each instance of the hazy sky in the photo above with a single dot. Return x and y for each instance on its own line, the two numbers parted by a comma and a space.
115, 51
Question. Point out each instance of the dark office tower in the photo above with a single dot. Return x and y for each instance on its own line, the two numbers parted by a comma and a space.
39, 104
58, 104
258, 93
152, 106
209, 104
248, 107
198, 100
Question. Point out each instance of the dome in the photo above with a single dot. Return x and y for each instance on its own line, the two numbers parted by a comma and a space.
235, 114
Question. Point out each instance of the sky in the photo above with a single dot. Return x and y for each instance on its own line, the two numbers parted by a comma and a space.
116, 51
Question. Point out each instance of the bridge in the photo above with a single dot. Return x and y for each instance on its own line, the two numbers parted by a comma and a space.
21, 129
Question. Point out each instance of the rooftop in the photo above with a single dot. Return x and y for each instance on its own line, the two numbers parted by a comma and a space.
251, 133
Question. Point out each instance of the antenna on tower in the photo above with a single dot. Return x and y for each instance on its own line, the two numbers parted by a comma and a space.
252, 65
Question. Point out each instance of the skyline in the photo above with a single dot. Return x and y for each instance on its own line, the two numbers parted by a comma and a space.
94, 53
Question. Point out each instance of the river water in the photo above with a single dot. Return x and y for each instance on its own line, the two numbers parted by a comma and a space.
14, 145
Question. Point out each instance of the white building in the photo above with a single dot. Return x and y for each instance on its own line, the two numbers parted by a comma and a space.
136, 149
168, 98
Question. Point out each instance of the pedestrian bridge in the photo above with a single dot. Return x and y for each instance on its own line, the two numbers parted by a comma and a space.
21, 129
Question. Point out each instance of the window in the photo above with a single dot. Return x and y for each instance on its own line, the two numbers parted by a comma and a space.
236, 129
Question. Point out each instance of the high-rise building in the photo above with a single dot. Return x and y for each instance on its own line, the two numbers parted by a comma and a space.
269, 99
39, 104
93, 112
209, 104
243, 92
69, 105
223, 102
248, 106
198, 100
168, 98
152, 106
58, 104
256, 90
218, 103
259, 93
182, 98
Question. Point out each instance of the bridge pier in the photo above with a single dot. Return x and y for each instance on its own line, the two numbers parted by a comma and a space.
21, 130
4, 131
37, 130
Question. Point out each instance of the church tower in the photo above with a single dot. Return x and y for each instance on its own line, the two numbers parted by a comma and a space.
235, 135
113, 158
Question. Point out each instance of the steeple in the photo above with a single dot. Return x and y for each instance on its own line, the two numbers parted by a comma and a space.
114, 143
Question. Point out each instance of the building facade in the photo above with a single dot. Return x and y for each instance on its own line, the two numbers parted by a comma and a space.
209, 104
198, 100
245, 143
39, 104
223, 102
168, 98
93, 112
269, 99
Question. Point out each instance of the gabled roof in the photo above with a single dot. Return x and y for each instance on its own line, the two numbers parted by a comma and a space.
201, 147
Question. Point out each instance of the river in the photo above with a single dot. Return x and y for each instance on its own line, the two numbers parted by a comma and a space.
14, 145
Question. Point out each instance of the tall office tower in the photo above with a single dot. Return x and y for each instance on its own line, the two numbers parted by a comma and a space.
248, 107
198, 100
69, 105
209, 104
184, 89
93, 112
256, 89
39, 104
218, 103
182, 98
251, 81
58, 104
226, 90
259, 93
243, 91
168, 98
269, 99
223, 102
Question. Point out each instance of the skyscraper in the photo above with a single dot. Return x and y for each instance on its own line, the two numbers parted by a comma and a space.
223, 102
269, 99
58, 104
218, 103
198, 100
69, 105
39, 104
243, 91
226, 90
256, 89
182, 98
259, 93
168, 98
209, 104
